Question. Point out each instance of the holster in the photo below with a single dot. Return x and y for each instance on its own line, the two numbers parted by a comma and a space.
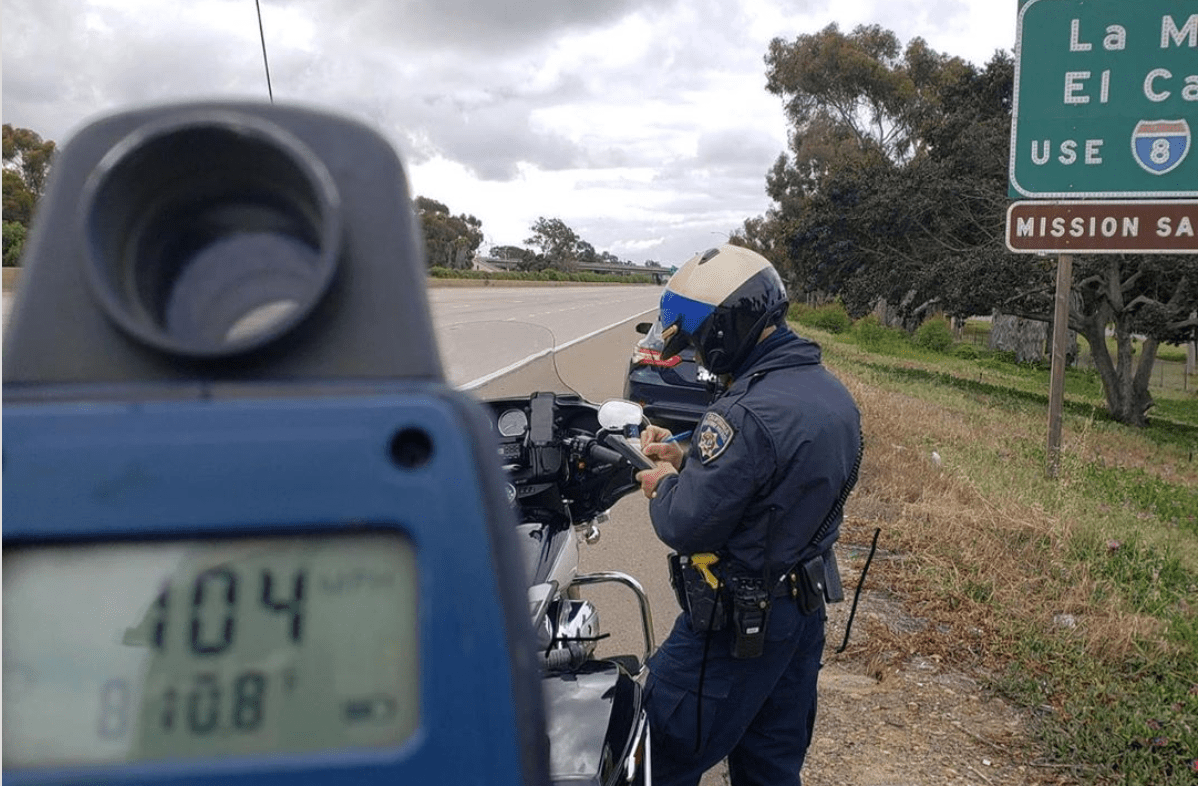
816, 581
702, 603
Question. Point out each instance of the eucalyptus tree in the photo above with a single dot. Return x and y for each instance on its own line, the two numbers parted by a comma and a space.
449, 241
1153, 297
857, 105
560, 247
27, 159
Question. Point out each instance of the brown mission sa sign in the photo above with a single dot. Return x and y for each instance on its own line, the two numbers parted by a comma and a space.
1104, 226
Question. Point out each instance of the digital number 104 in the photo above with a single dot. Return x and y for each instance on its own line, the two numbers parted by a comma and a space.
215, 591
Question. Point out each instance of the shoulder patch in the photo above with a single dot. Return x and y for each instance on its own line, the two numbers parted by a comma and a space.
714, 437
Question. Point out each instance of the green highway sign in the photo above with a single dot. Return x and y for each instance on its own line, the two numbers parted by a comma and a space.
1106, 99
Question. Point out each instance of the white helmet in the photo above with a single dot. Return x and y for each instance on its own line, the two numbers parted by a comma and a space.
719, 302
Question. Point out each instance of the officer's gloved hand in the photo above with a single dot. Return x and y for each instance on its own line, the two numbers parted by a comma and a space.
654, 446
649, 478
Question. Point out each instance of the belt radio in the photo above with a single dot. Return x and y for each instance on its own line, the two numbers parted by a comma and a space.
241, 504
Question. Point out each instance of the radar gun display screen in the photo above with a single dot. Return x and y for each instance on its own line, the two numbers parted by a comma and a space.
125, 652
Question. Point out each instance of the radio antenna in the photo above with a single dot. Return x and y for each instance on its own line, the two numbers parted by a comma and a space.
262, 34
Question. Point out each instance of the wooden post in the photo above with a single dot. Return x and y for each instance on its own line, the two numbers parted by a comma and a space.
1191, 357
1056, 387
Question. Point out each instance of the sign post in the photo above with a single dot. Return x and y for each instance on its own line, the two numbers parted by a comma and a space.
1104, 111
1056, 382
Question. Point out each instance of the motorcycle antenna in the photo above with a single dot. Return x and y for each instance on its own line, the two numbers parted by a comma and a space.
556, 371
266, 63
848, 628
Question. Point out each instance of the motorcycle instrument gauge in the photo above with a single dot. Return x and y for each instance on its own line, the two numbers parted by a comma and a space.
513, 423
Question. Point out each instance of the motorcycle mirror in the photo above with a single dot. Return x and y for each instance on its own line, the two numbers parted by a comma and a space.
617, 413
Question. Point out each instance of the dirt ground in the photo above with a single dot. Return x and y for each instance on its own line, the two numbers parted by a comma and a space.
913, 721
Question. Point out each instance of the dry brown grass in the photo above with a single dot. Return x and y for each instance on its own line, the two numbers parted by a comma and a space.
980, 562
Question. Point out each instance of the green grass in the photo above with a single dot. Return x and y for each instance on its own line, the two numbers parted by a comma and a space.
1168, 371
830, 317
1176, 404
1131, 720
1171, 353
1133, 726
1142, 492
1168, 352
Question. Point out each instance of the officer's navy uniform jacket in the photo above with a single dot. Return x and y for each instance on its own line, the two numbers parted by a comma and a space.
766, 465
767, 462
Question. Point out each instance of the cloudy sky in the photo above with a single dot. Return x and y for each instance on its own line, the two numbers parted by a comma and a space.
643, 124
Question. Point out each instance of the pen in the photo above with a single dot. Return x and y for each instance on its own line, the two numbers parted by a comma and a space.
676, 437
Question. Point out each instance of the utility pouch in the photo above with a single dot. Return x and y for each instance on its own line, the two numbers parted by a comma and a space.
812, 585
750, 613
699, 591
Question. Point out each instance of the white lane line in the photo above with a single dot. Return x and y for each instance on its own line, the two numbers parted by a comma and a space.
474, 383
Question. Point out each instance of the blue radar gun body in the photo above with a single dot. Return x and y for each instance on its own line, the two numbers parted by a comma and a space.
241, 503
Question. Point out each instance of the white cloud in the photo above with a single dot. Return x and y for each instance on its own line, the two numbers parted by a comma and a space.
643, 124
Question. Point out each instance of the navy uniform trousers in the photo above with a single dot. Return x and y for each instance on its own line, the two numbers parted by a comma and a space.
757, 712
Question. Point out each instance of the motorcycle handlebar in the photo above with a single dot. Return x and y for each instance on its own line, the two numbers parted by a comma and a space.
597, 452
631, 453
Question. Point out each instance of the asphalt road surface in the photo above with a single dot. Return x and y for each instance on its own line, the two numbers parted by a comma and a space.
483, 331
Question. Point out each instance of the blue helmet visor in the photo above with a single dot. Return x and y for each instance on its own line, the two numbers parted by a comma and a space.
685, 316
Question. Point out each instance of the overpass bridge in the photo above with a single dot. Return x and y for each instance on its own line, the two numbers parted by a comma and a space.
660, 274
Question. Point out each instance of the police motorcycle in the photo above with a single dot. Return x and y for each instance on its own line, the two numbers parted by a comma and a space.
567, 461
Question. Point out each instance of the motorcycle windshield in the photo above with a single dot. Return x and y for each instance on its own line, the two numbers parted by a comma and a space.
501, 359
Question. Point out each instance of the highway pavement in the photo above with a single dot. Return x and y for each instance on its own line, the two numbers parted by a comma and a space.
482, 331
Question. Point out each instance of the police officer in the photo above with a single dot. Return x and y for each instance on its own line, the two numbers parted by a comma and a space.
759, 488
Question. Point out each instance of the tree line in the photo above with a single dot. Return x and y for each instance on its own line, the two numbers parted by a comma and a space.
893, 192
453, 241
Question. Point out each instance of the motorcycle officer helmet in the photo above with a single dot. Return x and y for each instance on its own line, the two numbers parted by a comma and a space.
719, 302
